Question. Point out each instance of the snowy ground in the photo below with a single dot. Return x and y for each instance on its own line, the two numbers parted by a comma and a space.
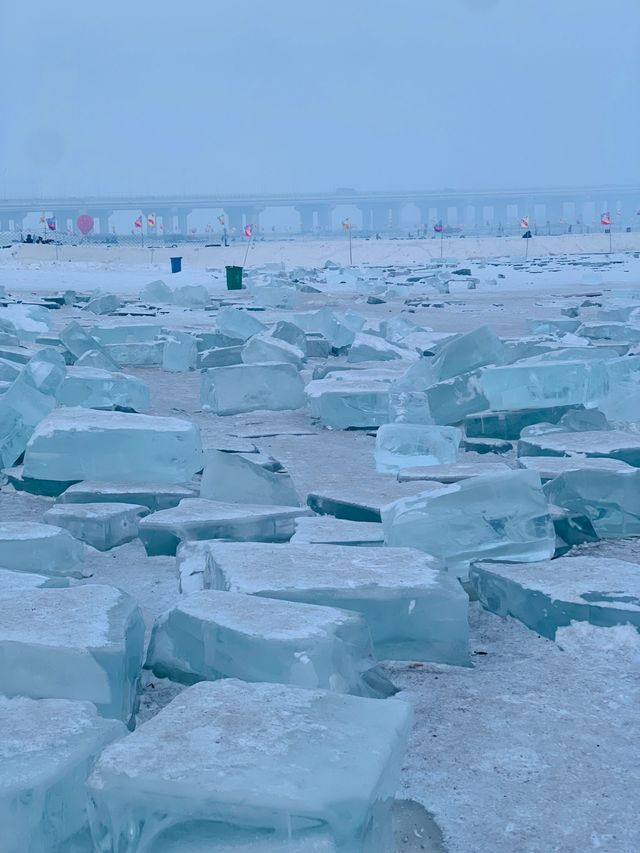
534, 748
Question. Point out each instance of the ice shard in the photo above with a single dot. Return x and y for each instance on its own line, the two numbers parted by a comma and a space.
156, 292
79, 342
102, 525
401, 446
238, 324
264, 348
180, 352
250, 387
234, 478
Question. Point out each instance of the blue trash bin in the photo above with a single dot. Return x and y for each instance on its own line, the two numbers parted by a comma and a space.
176, 264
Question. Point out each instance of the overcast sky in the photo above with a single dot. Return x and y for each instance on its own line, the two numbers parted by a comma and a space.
282, 95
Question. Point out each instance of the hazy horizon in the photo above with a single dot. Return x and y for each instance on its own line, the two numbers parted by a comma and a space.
271, 97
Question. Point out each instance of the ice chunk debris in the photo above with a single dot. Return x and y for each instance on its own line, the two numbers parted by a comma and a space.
498, 516
156, 292
210, 635
84, 444
518, 386
180, 352
265, 757
27, 546
84, 642
250, 387
613, 444
264, 348
153, 496
233, 478
238, 324
401, 446
47, 749
94, 388
101, 525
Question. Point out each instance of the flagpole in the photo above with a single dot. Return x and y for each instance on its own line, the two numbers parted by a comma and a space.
350, 252
244, 262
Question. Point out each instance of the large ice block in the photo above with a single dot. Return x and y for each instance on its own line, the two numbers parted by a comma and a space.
238, 324
550, 595
518, 386
415, 611
105, 303
85, 444
136, 353
101, 525
47, 749
550, 467
266, 757
27, 546
84, 642
96, 358
180, 352
466, 353
29, 399
93, 388
264, 348
29, 321
612, 444
610, 499
211, 634
327, 530
196, 518
220, 357
79, 342
451, 400
356, 402
329, 325
610, 331
495, 516
234, 478
156, 292
198, 839
126, 333
249, 387
401, 446
191, 295
509, 424
154, 496
367, 347
452, 473
284, 330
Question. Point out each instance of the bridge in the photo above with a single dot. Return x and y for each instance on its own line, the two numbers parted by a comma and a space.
379, 211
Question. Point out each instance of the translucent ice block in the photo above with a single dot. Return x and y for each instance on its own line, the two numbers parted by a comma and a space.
250, 387
126, 333
47, 749
327, 530
234, 478
263, 348
415, 611
136, 353
79, 342
209, 635
199, 837
497, 516
284, 330
161, 532
238, 324
83, 642
101, 525
258, 757
154, 496
509, 424
550, 467
349, 404
29, 399
466, 353
106, 303
373, 348
27, 546
451, 400
220, 357
29, 321
180, 352
191, 295
96, 358
156, 292
611, 500
329, 325
550, 595
613, 444
544, 384
84, 444
94, 388
401, 446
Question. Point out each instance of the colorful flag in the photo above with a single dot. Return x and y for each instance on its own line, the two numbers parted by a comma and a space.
151, 220
221, 219
346, 224
524, 222
43, 219
248, 230
51, 223
138, 222
439, 227
605, 218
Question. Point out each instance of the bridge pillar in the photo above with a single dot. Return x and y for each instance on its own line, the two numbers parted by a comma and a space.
396, 216
151, 229
183, 225
102, 218
325, 217
367, 214
17, 219
380, 217
167, 221
425, 214
4, 222
253, 218
233, 216
306, 212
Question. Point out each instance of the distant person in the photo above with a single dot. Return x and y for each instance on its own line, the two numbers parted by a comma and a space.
28, 239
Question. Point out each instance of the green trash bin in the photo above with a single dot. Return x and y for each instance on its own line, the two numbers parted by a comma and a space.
234, 278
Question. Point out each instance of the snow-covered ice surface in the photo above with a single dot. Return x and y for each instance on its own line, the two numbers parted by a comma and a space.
532, 748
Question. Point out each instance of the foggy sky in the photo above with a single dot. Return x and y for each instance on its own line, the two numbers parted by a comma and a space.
253, 96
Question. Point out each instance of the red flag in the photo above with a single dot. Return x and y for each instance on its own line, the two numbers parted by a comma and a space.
524, 222
248, 230
346, 224
138, 222
438, 227
605, 219
151, 220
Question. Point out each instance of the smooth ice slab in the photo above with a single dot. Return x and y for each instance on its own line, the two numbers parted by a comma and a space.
27, 546
401, 446
196, 518
610, 499
451, 400
234, 478
521, 386
210, 635
327, 530
357, 401
47, 749
550, 467
451, 473
466, 353
154, 496
180, 352
614, 444
258, 756
101, 525
136, 353
84, 642
264, 348
156, 292
497, 516
415, 611
11, 582
238, 324
509, 424
94, 388
550, 595
250, 387
373, 348
84, 444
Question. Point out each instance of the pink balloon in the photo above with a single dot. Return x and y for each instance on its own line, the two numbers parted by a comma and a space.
85, 223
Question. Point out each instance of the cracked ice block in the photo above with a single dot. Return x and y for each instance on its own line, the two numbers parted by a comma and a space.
270, 758
47, 749
105, 304
250, 387
451, 400
153, 496
210, 635
234, 478
453, 473
84, 642
79, 343
509, 424
401, 446
550, 467
93, 388
611, 500
326, 530
466, 353
180, 352
195, 518
495, 516
373, 348
27, 546
415, 611
353, 403
86, 444
518, 386
156, 292
611, 444
101, 525
136, 353
264, 348
550, 595
238, 324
